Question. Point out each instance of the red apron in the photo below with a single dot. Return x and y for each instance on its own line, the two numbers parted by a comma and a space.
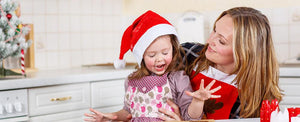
228, 92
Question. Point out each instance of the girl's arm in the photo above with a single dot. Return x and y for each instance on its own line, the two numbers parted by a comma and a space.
123, 115
196, 107
97, 116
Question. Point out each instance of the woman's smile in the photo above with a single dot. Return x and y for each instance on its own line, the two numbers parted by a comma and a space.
210, 49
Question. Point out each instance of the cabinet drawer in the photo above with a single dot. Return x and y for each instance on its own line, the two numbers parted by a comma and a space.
110, 109
53, 99
73, 116
107, 93
290, 87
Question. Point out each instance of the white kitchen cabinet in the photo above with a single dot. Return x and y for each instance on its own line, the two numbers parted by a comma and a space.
291, 88
61, 98
72, 116
107, 96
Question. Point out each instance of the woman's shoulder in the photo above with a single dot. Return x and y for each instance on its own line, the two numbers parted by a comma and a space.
191, 51
192, 46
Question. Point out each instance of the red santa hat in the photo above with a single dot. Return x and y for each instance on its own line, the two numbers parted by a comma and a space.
143, 31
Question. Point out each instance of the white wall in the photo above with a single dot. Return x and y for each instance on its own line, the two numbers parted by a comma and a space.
171, 6
284, 17
72, 33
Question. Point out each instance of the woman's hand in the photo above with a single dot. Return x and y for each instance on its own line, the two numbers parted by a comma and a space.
170, 115
202, 93
97, 116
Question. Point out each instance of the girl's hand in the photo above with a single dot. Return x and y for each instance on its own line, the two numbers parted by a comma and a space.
170, 115
97, 116
202, 93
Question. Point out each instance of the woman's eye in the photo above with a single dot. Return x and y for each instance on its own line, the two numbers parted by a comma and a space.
165, 53
222, 42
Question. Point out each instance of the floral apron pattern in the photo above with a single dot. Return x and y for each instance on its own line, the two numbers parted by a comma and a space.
144, 96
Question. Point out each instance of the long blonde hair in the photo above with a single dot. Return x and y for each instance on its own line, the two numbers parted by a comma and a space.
255, 60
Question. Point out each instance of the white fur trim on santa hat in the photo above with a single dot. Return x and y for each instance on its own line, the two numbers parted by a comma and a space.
148, 37
119, 64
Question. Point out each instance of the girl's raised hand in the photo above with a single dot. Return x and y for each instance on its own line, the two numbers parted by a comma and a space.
97, 116
202, 93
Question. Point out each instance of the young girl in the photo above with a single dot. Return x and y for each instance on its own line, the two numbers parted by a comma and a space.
159, 75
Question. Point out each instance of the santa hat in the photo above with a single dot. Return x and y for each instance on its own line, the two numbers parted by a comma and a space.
138, 36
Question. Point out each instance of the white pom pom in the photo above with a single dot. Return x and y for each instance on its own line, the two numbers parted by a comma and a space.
119, 64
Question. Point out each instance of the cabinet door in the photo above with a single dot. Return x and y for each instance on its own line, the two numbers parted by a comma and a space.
73, 116
109, 109
290, 87
107, 93
54, 99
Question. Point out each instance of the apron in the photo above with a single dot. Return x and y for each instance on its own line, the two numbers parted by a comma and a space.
144, 96
218, 108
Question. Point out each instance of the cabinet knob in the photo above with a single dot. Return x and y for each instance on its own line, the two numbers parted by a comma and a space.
18, 106
61, 98
9, 108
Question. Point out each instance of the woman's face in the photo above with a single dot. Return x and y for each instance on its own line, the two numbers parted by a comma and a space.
158, 55
220, 44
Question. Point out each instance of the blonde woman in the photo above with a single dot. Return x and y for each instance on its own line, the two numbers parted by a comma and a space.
240, 56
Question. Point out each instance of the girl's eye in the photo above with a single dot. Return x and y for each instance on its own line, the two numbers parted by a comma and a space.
165, 53
151, 55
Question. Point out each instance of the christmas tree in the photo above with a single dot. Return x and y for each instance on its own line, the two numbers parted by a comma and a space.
12, 32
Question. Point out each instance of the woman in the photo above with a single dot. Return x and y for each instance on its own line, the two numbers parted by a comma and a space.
239, 54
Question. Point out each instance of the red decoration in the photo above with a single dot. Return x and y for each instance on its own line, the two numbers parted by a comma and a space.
293, 112
8, 16
267, 108
22, 62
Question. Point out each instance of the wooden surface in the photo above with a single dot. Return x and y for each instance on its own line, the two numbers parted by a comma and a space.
29, 56
203, 120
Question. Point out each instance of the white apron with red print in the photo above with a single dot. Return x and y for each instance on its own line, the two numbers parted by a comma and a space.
144, 96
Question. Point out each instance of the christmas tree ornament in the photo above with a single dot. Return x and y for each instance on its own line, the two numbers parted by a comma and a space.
17, 31
22, 62
20, 26
8, 16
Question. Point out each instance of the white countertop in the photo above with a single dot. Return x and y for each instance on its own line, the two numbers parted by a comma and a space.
87, 74
240, 120
64, 76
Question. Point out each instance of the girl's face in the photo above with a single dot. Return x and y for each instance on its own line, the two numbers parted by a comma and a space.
158, 55
220, 44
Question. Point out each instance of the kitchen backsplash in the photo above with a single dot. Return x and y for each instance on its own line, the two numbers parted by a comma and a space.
72, 33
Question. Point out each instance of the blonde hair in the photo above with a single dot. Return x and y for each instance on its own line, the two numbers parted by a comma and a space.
175, 65
255, 60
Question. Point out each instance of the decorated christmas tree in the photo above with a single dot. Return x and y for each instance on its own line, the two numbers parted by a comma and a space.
12, 34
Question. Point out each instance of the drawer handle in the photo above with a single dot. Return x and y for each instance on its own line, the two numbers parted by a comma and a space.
61, 99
